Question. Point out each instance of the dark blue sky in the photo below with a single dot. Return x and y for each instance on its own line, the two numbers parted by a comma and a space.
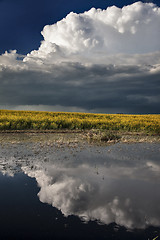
21, 21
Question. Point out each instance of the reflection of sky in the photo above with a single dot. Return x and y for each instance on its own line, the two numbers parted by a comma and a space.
118, 183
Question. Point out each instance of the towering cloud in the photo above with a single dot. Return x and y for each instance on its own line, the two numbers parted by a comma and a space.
112, 57
133, 29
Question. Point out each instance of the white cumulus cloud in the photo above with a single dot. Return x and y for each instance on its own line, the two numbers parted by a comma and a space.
132, 29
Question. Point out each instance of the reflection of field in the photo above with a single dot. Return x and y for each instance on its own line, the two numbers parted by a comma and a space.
23, 120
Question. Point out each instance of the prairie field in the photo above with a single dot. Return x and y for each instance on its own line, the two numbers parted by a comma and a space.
36, 120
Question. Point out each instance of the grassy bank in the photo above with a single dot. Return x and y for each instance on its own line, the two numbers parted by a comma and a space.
34, 120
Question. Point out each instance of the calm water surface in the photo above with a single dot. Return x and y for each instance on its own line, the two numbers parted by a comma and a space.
62, 188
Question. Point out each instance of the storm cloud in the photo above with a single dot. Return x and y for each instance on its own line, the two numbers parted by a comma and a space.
100, 60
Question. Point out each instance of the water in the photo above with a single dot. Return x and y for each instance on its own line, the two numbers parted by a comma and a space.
60, 187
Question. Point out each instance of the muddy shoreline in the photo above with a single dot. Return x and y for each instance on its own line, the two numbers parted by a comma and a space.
88, 135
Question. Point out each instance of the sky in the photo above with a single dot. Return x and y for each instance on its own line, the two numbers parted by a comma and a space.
87, 56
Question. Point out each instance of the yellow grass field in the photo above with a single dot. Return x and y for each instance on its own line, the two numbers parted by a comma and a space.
34, 120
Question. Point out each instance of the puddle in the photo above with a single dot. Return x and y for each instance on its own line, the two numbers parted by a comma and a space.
55, 187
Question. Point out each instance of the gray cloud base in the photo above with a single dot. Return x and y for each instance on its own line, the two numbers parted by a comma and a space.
128, 89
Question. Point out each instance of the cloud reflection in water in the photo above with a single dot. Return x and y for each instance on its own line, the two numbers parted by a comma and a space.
114, 186
127, 195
